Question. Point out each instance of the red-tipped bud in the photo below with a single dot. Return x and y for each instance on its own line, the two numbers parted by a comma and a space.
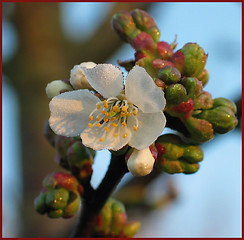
159, 63
143, 41
164, 50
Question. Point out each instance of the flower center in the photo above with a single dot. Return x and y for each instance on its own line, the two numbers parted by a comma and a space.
113, 113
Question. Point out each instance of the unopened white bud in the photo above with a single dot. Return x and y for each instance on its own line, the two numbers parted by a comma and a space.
140, 162
77, 77
56, 87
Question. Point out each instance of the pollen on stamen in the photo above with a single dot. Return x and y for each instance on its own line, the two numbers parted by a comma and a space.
98, 118
114, 125
135, 128
125, 135
123, 114
124, 124
103, 112
128, 114
112, 119
134, 112
98, 106
105, 103
116, 135
107, 129
116, 108
105, 119
124, 108
90, 118
101, 139
98, 124
90, 125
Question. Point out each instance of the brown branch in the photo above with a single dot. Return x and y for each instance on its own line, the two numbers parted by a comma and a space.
92, 206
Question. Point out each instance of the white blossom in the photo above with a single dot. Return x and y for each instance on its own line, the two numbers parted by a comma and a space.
140, 162
130, 114
77, 78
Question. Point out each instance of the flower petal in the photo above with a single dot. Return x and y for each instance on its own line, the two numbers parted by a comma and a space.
149, 128
107, 79
70, 112
112, 140
141, 90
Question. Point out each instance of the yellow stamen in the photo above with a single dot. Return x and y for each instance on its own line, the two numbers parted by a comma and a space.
105, 119
116, 134
135, 128
124, 108
125, 135
101, 139
98, 118
103, 112
124, 124
112, 119
98, 124
134, 112
107, 114
90, 125
107, 129
90, 118
98, 106
122, 114
128, 114
105, 103
116, 108
114, 125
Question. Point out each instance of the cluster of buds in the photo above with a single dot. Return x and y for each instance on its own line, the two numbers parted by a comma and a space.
174, 156
112, 221
60, 196
72, 154
180, 74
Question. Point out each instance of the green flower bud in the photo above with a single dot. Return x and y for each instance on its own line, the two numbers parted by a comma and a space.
57, 198
62, 143
173, 151
56, 87
203, 101
189, 168
175, 94
73, 205
103, 221
204, 76
146, 23
169, 74
200, 130
131, 229
55, 213
118, 218
39, 203
225, 103
222, 118
123, 24
190, 60
193, 87
193, 154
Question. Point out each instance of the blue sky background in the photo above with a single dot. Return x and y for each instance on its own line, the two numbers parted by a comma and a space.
209, 201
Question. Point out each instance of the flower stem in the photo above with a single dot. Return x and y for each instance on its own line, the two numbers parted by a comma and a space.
93, 204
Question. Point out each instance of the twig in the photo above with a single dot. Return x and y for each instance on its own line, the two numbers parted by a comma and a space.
92, 206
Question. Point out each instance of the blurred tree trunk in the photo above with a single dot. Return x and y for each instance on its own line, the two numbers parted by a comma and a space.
43, 55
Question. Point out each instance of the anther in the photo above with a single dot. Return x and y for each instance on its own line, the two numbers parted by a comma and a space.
105, 119
98, 106
116, 134
90, 118
124, 124
105, 104
98, 118
125, 135
124, 108
90, 125
98, 124
122, 114
103, 112
114, 125
135, 128
134, 112
128, 114
107, 129
101, 139
116, 108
